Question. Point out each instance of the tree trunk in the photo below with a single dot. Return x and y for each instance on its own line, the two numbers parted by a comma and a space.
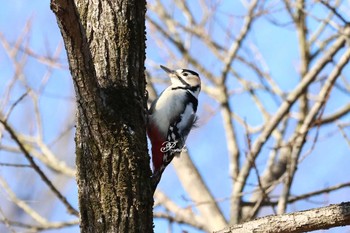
105, 43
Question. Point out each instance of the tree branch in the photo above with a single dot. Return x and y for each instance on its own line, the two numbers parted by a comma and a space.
33, 164
281, 112
193, 183
178, 214
297, 222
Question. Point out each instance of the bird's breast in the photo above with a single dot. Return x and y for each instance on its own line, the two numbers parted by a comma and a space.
168, 107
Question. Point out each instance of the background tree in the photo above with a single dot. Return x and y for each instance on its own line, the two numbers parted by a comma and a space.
274, 124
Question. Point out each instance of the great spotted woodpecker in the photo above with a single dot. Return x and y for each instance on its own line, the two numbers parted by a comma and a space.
171, 118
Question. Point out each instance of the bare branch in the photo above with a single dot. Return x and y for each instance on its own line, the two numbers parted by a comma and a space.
42, 227
300, 136
321, 28
334, 11
30, 159
347, 139
232, 52
282, 111
197, 189
178, 214
21, 204
297, 222
332, 117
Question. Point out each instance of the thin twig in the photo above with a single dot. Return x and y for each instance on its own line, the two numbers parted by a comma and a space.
14, 165
332, 9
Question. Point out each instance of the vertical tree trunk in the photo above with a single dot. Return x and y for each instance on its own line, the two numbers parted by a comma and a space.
105, 43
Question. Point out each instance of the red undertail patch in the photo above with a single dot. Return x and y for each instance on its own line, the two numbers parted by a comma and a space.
156, 140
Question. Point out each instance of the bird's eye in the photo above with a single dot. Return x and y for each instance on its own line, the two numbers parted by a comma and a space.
185, 74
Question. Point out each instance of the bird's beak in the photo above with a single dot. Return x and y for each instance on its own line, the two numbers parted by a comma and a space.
169, 71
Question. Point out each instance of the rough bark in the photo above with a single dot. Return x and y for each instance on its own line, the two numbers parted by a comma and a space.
303, 221
105, 43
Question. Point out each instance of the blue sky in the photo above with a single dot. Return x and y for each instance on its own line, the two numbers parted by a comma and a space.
327, 165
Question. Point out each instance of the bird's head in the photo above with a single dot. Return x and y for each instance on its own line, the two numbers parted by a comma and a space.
184, 78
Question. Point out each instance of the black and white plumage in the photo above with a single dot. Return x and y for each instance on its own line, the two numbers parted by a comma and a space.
171, 118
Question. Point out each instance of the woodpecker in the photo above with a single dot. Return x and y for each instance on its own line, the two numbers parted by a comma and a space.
171, 118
